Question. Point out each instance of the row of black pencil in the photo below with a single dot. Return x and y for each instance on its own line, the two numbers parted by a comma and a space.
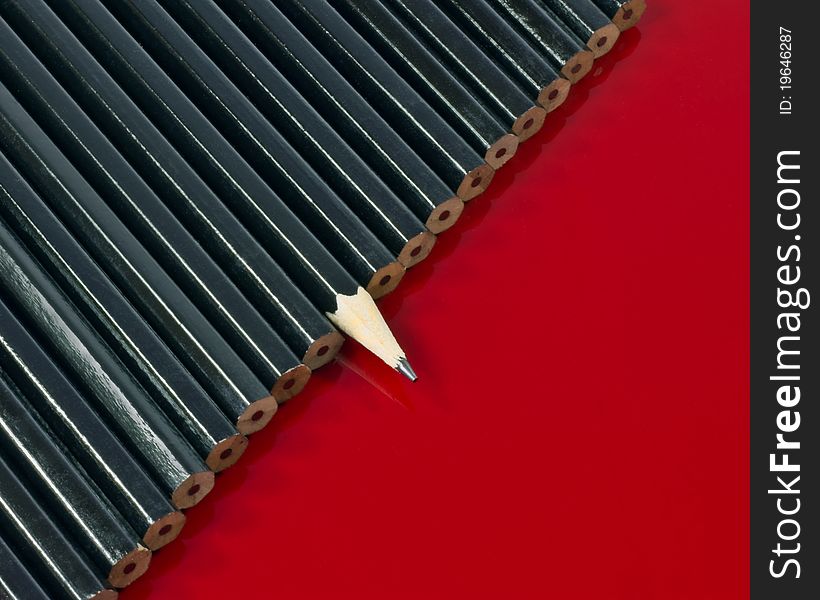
198, 200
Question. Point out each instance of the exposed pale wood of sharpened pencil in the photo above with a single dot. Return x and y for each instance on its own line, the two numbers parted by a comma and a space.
359, 314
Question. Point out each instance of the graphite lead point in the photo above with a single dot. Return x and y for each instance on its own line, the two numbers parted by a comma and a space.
403, 367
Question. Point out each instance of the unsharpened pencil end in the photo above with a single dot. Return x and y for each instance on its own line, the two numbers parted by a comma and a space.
629, 14
405, 369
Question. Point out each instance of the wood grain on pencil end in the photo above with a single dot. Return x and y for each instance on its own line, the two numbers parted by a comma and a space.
501, 151
475, 182
529, 123
164, 530
193, 490
257, 415
629, 14
554, 94
130, 567
385, 280
226, 453
290, 383
417, 249
323, 350
603, 39
578, 66
445, 215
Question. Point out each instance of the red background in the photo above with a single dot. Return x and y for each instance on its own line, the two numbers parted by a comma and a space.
580, 427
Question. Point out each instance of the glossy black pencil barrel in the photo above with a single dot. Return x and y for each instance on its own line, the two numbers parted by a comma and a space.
16, 582
48, 391
125, 404
306, 330
395, 100
274, 365
284, 45
587, 22
430, 77
486, 81
170, 244
233, 384
510, 50
354, 57
177, 46
548, 36
261, 210
301, 187
296, 61
318, 273
62, 570
181, 398
93, 523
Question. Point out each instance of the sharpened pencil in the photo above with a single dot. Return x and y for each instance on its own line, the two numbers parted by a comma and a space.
504, 44
547, 35
93, 523
312, 267
62, 570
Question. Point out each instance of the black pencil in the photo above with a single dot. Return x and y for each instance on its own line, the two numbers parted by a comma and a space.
356, 185
451, 46
453, 157
92, 522
506, 45
624, 13
587, 22
306, 330
377, 81
547, 35
173, 388
466, 109
317, 273
125, 404
246, 400
61, 569
284, 45
16, 582
260, 367
93, 445
300, 186
410, 178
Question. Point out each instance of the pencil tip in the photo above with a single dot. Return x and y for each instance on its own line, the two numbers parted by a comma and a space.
403, 367
359, 317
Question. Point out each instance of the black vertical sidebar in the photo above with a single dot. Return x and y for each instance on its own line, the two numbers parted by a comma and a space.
785, 365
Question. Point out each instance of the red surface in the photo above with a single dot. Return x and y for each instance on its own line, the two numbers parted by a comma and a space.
580, 427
